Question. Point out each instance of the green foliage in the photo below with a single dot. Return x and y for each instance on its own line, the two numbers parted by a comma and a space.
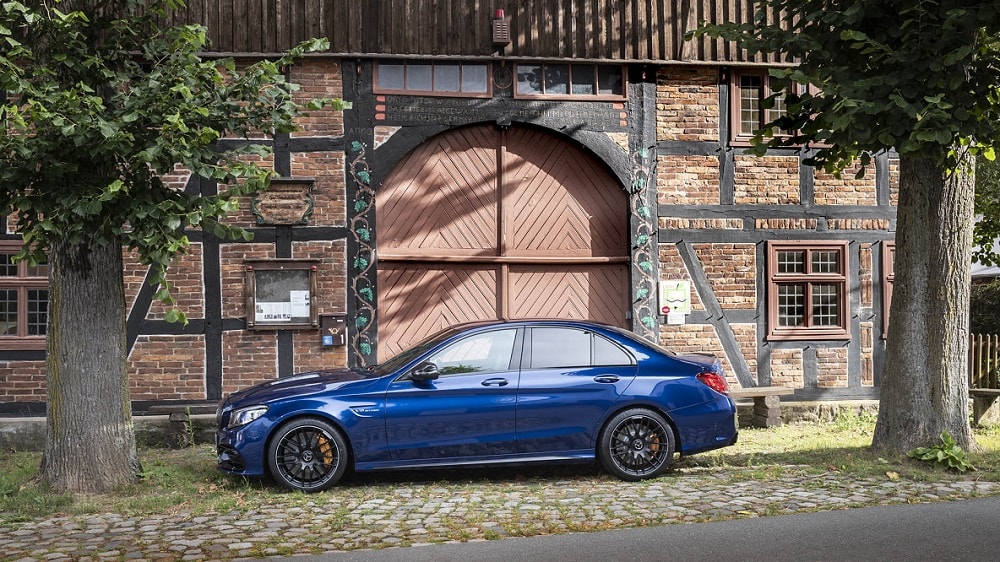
848, 421
947, 455
984, 308
105, 102
926, 85
987, 230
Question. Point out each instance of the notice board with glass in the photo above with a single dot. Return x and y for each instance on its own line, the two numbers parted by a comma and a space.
281, 294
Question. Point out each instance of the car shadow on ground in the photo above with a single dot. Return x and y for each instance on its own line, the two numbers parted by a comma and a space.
491, 474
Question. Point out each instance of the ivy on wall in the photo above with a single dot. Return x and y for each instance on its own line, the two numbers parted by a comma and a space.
644, 252
362, 263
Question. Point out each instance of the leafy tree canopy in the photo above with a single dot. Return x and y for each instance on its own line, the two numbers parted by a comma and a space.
918, 77
103, 102
987, 231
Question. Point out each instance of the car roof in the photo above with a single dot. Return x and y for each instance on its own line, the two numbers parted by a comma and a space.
532, 322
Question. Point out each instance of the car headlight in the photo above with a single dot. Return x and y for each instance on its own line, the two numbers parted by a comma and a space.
244, 416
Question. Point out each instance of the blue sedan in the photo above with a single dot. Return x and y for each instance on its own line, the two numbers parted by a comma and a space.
495, 392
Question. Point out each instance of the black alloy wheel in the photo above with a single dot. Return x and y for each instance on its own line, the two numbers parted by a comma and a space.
308, 455
636, 444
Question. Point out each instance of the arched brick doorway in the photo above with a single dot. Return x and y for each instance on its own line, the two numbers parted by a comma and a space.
484, 222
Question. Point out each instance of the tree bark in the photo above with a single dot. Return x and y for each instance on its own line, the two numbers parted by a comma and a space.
90, 444
924, 384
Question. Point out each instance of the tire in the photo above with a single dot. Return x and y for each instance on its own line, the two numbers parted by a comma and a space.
636, 444
307, 455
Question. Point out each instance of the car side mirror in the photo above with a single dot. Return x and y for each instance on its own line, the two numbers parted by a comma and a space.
425, 371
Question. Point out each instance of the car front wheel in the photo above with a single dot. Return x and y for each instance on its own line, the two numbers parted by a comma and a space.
308, 455
636, 444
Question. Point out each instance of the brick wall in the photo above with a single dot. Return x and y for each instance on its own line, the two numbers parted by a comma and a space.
687, 180
687, 104
177, 179
731, 271
22, 381
831, 367
746, 337
185, 274
865, 275
894, 182
384, 133
846, 190
329, 208
770, 180
249, 358
786, 368
311, 356
867, 359
331, 274
167, 368
318, 78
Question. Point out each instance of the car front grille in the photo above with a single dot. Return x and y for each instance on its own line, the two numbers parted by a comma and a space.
230, 459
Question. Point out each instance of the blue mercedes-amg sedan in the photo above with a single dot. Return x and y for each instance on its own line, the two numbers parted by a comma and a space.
496, 392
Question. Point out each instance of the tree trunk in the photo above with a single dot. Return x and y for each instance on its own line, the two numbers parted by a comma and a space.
924, 385
90, 444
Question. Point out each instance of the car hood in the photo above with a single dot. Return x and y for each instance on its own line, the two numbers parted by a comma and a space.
299, 384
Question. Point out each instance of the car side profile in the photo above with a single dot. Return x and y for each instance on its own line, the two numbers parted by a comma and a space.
495, 392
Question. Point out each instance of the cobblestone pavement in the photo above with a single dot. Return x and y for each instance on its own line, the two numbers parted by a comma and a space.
396, 512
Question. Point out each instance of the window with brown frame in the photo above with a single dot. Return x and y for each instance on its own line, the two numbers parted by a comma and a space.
751, 87
888, 281
807, 290
24, 300
570, 81
456, 79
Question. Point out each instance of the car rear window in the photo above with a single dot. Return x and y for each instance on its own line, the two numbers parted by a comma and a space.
567, 347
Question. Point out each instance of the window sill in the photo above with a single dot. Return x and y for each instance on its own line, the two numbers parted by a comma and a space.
810, 334
30, 343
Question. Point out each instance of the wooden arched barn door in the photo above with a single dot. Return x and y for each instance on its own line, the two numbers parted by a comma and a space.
482, 222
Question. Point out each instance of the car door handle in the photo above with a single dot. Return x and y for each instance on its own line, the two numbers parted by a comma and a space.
495, 382
607, 378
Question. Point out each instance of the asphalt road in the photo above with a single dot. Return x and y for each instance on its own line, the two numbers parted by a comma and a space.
952, 531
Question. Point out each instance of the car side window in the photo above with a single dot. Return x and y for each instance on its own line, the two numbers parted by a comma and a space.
480, 353
607, 353
559, 347
567, 347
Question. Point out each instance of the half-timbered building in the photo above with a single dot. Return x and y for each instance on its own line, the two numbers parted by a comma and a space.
521, 158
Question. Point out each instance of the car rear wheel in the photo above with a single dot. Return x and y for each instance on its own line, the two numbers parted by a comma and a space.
308, 455
636, 444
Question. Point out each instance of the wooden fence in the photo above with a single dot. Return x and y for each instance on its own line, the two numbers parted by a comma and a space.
984, 361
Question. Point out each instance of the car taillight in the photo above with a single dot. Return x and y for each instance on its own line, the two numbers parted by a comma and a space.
715, 381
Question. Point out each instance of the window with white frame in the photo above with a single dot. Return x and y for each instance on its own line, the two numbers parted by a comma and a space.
751, 87
570, 81
441, 78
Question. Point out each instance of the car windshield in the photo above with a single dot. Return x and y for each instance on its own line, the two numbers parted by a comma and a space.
407, 355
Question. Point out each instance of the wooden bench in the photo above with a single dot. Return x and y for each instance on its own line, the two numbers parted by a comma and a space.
180, 431
982, 401
984, 386
194, 408
766, 403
